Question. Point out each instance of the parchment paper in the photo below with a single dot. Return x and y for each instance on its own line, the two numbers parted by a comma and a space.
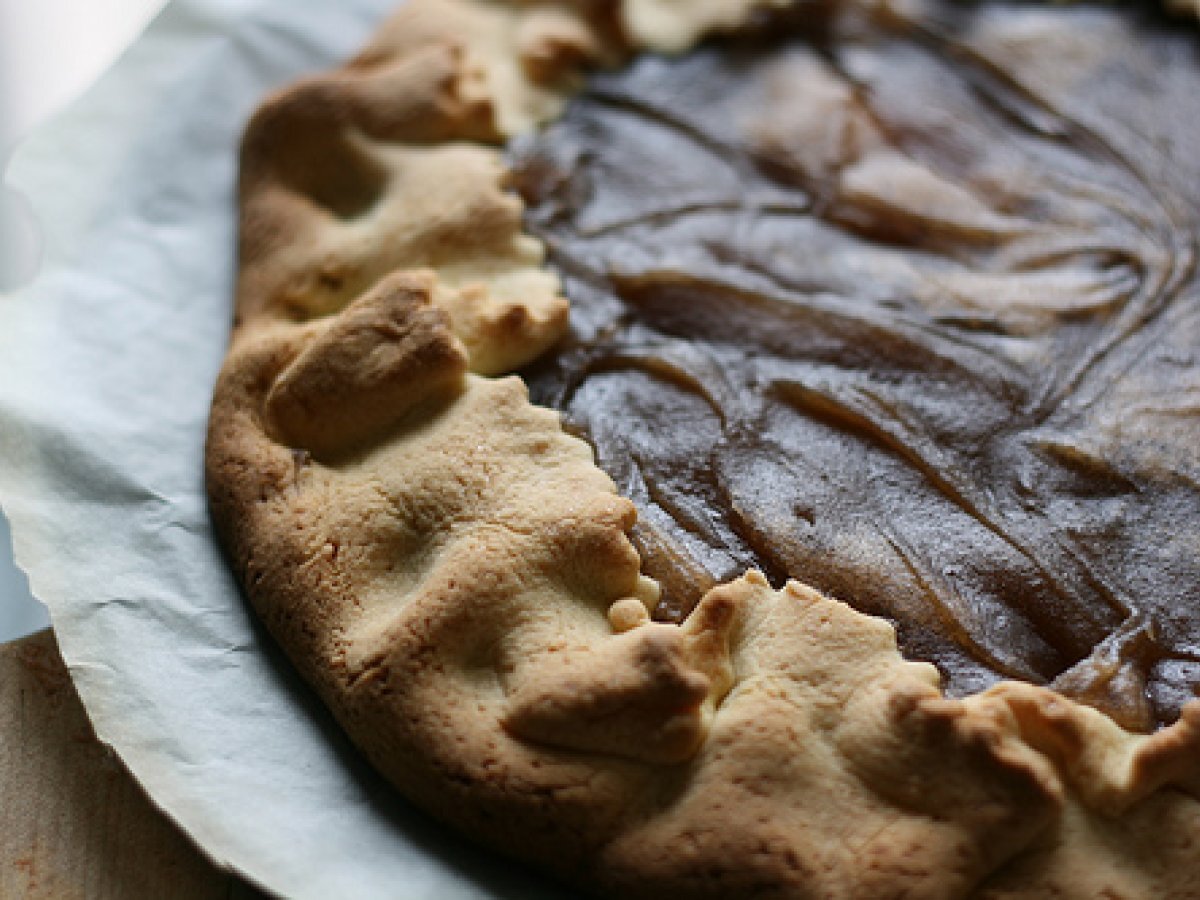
106, 367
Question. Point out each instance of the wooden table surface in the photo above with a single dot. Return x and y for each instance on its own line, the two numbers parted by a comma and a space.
73, 823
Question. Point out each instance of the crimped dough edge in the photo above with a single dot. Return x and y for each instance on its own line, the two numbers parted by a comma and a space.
452, 572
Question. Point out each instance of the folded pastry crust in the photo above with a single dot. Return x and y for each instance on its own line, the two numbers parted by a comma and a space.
453, 574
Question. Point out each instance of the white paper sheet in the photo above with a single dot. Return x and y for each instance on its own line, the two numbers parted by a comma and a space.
106, 368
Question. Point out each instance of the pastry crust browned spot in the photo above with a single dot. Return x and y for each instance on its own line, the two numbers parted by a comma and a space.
453, 573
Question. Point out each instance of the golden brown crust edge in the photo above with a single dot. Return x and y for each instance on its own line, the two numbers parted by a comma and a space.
452, 572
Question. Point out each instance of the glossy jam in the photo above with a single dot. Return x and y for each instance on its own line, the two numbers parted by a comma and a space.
904, 306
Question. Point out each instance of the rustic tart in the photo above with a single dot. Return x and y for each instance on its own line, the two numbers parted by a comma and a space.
843, 539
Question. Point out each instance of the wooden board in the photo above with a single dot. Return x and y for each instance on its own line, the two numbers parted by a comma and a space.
73, 823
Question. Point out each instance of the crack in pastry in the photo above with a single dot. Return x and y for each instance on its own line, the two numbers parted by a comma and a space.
468, 591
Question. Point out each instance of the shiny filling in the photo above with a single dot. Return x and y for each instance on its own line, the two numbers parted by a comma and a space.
904, 306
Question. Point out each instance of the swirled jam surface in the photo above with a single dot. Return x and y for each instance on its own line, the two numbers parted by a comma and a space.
904, 305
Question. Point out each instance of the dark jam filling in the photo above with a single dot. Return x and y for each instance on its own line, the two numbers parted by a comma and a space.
905, 308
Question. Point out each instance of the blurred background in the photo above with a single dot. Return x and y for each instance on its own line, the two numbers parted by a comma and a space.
50, 52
